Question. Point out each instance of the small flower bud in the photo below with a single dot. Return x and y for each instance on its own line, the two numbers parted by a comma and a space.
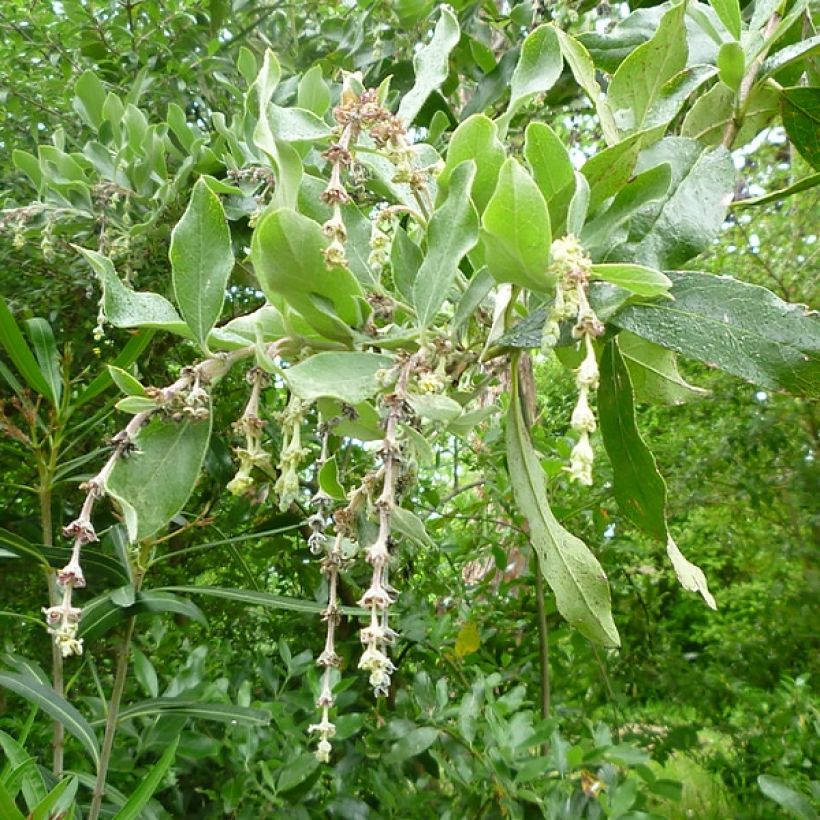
583, 419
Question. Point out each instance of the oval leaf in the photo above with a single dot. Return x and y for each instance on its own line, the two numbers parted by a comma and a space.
516, 231
201, 261
349, 377
153, 483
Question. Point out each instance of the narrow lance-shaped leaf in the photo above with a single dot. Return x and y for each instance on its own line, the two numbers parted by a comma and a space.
516, 231
102, 614
569, 567
431, 64
253, 597
56, 706
743, 329
639, 488
201, 261
451, 233
219, 712
153, 483
45, 349
11, 339
132, 810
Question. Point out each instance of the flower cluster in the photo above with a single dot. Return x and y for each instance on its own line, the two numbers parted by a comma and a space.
252, 455
572, 268
329, 659
185, 398
287, 485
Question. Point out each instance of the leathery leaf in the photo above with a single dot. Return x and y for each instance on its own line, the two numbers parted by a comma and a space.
571, 570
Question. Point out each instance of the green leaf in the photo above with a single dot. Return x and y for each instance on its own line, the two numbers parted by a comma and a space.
478, 289
639, 78
266, 81
451, 233
313, 92
153, 483
126, 382
539, 67
297, 771
578, 205
124, 307
126, 357
729, 13
637, 192
807, 48
329, 480
431, 64
220, 712
286, 250
475, 139
636, 278
731, 65
743, 329
795, 803
136, 404
45, 349
415, 742
707, 120
405, 260
609, 170
132, 810
256, 598
90, 98
61, 796
571, 570
246, 65
516, 231
653, 371
31, 779
20, 354
201, 261
7, 806
349, 377
409, 525
674, 93
265, 324
54, 705
435, 406
296, 125
102, 613
548, 160
638, 486
145, 673
669, 232
583, 69
804, 184
800, 108
462, 425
